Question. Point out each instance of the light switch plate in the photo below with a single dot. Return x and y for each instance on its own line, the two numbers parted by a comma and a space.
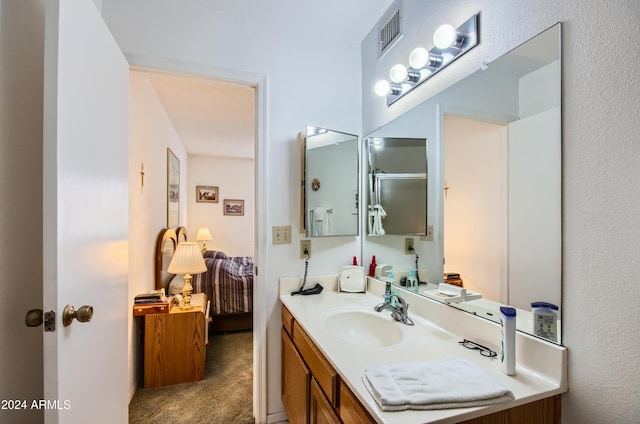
281, 235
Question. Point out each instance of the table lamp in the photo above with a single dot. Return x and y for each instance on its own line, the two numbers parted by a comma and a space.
187, 260
203, 235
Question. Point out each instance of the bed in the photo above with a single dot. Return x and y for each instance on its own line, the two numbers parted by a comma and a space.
228, 282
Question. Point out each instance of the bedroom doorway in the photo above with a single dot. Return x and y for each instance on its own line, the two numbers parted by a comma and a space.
217, 120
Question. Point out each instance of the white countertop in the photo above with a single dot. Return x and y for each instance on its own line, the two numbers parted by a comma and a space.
425, 341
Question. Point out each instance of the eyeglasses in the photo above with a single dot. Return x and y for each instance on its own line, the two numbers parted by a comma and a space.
484, 351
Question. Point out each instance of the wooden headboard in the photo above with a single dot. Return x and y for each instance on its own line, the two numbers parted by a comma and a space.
166, 244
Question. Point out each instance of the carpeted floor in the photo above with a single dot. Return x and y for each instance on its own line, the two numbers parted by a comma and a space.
225, 395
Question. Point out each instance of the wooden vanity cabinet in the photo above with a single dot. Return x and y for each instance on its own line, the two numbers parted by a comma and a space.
295, 383
309, 383
313, 392
320, 410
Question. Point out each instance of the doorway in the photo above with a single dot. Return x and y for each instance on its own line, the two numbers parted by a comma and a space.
229, 161
475, 203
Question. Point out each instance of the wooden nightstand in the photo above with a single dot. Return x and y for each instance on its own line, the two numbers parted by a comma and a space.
175, 343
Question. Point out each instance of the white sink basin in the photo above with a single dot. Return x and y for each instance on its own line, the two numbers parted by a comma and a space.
362, 326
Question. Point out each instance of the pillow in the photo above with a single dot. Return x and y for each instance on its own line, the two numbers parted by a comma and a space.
175, 286
214, 254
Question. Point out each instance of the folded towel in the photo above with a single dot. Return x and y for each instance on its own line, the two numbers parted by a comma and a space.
451, 383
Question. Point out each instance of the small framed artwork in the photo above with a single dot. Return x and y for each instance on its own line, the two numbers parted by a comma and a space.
173, 189
207, 194
233, 207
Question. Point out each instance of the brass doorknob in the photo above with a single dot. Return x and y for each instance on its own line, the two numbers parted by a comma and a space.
82, 314
34, 318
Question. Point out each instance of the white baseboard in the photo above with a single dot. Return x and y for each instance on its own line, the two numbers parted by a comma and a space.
277, 418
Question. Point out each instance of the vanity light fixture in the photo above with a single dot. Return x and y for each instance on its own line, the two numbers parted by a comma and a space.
449, 44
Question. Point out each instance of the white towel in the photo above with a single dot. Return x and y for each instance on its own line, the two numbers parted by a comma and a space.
376, 214
320, 221
451, 383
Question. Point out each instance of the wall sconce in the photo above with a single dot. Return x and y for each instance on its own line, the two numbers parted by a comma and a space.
187, 260
449, 44
203, 235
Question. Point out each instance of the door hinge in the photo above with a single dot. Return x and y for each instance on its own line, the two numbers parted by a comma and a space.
256, 270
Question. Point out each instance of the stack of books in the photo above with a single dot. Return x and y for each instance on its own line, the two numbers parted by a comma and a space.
154, 302
453, 279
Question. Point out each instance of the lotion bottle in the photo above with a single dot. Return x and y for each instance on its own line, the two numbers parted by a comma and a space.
508, 340
372, 267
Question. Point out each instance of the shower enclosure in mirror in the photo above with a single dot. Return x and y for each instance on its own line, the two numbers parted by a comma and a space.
330, 183
494, 186
397, 186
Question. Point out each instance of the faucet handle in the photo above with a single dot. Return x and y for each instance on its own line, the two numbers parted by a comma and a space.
401, 304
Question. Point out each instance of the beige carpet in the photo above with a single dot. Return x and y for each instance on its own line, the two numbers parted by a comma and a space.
224, 396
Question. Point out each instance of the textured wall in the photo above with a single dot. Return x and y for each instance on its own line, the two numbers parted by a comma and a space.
601, 173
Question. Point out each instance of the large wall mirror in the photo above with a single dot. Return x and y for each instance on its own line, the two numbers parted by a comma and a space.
494, 186
331, 178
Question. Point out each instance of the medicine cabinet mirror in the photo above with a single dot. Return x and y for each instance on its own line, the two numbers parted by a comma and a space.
494, 185
330, 183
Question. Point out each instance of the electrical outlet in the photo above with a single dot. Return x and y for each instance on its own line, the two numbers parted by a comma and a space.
408, 246
305, 249
429, 235
281, 235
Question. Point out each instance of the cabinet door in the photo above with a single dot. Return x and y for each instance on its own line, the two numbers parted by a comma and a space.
351, 411
321, 411
295, 383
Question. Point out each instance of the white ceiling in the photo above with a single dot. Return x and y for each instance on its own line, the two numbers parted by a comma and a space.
218, 118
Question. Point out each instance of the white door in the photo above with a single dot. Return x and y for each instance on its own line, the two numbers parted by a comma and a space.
85, 215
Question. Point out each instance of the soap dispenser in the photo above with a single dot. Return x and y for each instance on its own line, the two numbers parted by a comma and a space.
412, 281
387, 289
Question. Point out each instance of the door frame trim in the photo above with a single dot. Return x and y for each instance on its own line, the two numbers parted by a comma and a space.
169, 66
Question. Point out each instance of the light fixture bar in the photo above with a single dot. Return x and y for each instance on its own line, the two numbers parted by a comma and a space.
466, 37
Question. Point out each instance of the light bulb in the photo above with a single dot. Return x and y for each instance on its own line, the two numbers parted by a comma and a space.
382, 88
447, 57
418, 58
398, 73
444, 36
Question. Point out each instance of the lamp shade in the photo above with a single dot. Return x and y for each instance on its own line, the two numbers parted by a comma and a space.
203, 234
187, 259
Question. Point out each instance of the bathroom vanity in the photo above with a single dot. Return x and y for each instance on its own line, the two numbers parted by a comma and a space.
330, 338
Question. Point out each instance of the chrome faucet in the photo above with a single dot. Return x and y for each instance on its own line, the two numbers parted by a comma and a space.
398, 312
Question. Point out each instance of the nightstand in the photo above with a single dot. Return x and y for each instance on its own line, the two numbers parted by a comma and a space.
175, 343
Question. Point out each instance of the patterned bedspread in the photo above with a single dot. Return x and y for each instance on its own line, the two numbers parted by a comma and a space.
228, 282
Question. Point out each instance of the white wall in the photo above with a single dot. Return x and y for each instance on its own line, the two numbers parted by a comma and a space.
21, 79
601, 176
234, 178
302, 88
150, 134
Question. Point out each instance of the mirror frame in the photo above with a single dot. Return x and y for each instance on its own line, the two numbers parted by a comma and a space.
305, 227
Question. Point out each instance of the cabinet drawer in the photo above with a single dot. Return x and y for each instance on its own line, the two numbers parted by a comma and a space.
287, 321
323, 372
351, 411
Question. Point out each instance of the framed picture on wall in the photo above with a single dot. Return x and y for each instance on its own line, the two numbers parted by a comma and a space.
233, 207
207, 194
173, 189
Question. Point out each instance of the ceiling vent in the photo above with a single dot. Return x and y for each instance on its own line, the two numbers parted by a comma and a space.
389, 29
